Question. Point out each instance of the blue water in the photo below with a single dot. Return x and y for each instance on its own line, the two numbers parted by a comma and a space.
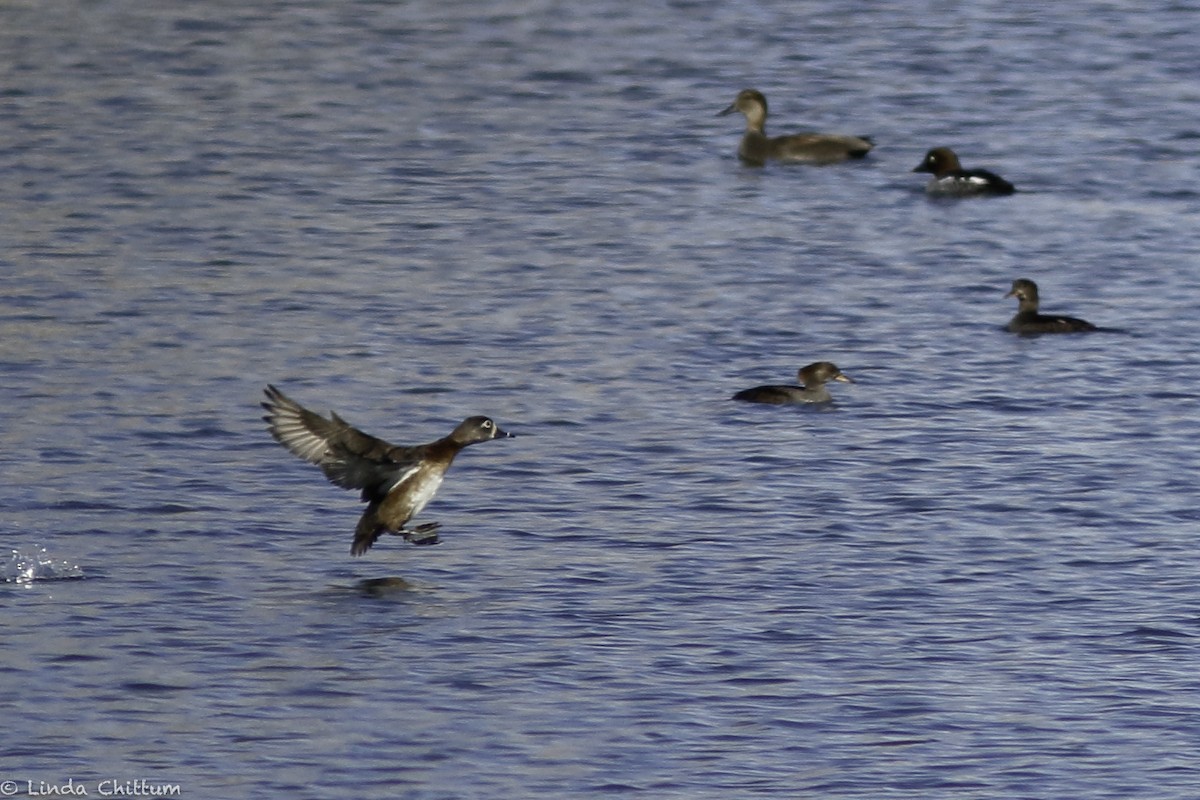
973, 576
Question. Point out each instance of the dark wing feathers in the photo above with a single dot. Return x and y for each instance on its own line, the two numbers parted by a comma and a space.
349, 458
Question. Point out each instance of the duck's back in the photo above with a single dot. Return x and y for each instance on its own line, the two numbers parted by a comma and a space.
1033, 322
783, 395
803, 148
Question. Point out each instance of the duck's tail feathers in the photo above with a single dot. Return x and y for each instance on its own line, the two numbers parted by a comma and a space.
369, 529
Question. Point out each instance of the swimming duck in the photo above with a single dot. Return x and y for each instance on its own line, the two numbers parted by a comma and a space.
811, 389
1028, 320
810, 148
951, 180
396, 480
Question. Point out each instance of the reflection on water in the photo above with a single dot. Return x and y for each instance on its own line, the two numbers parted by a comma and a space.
383, 587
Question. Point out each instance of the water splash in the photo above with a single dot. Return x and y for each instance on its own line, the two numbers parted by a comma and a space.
25, 568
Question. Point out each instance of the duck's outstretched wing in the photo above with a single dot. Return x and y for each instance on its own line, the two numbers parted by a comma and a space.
348, 457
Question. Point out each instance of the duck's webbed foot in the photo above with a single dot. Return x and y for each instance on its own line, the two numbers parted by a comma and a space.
423, 534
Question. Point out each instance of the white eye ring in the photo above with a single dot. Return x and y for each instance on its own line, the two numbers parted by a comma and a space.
487, 423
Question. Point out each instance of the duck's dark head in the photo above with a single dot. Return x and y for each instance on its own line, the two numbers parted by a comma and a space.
478, 429
821, 372
939, 161
1026, 292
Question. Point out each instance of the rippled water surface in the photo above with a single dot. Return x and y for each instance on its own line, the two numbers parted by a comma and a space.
973, 576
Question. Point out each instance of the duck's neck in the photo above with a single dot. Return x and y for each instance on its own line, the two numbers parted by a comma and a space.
755, 147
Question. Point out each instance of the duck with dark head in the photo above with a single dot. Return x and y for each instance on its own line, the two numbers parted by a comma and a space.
811, 389
951, 180
1029, 320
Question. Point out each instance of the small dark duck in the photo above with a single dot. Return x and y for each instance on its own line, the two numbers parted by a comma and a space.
811, 389
1027, 320
396, 480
